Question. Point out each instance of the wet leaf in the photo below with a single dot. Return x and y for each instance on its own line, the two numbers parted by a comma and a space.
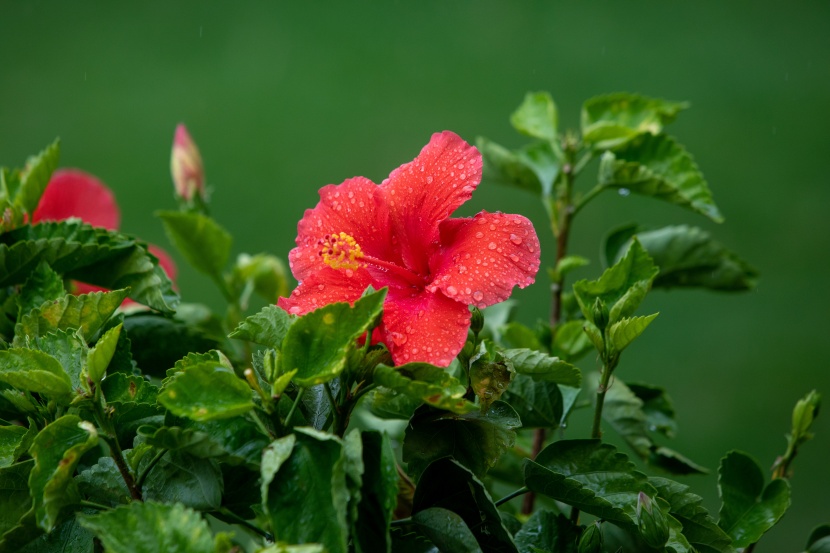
268, 327
206, 391
43, 285
200, 239
611, 120
446, 530
547, 531
427, 383
35, 371
541, 366
537, 116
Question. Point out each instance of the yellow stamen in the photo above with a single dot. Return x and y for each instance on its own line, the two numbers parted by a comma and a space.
340, 251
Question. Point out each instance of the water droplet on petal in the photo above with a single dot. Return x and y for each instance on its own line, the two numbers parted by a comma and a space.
451, 291
492, 245
478, 295
514, 258
294, 310
479, 234
515, 239
429, 179
468, 290
321, 286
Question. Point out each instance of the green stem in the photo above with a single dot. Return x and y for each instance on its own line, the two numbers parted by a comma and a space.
242, 522
111, 439
596, 429
508, 497
93, 505
143, 476
260, 424
401, 522
297, 399
587, 197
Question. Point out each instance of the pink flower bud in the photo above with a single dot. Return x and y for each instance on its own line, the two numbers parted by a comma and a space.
186, 166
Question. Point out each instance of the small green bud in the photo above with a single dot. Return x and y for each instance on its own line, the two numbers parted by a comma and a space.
654, 528
591, 539
600, 313
477, 321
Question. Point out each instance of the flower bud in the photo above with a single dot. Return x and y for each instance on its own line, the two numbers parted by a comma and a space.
654, 528
186, 167
591, 539
600, 313
477, 321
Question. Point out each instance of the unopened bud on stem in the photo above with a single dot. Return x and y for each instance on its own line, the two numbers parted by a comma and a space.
591, 539
600, 313
186, 167
654, 528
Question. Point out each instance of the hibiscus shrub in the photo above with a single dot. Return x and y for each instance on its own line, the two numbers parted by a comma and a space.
389, 398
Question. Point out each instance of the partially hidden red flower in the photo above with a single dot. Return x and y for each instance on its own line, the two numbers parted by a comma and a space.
399, 235
74, 193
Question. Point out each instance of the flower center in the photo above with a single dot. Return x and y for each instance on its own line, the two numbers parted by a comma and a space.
340, 251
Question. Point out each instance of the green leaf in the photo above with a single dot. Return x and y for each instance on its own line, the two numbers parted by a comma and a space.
181, 477
149, 527
538, 403
92, 255
36, 175
626, 330
688, 257
508, 168
517, 335
624, 411
11, 439
537, 116
268, 327
749, 508
306, 497
570, 342
621, 287
196, 443
43, 285
71, 351
120, 387
14, 494
657, 407
699, 528
158, 341
87, 312
100, 356
544, 367
589, 475
56, 451
446, 484
819, 540
67, 537
206, 391
200, 239
427, 383
192, 359
35, 371
613, 119
262, 273
446, 530
547, 531
239, 437
475, 440
378, 494
317, 343
103, 483
285, 548
489, 378
658, 166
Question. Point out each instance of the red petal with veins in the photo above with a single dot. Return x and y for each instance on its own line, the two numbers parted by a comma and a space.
352, 207
426, 327
424, 192
73, 193
483, 258
323, 287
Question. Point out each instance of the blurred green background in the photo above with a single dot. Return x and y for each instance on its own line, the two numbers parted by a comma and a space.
284, 99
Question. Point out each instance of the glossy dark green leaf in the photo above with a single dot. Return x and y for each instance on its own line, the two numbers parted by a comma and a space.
819, 540
262, 273
200, 239
749, 507
589, 475
624, 411
699, 528
305, 495
213, 356
611, 120
508, 168
570, 341
36, 175
120, 387
14, 494
181, 477
446, 530
474, 439
35, 371
621, 287
537, 403
427, 383
100, 356
627, 329
688, 257
87, 312
446, 484
268, 327
657, 166
103, 483
657, 407
541, 366
239, 437
537, 116
43, 285
547, 531
206, 391
14, 442
316, 344
150, 527
517, 335
302, 548
195, 443
378, 494
68, 537
56, 451
158, 341
71, 351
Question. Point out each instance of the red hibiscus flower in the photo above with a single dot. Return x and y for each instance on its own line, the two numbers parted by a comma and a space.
399, 235
74, 193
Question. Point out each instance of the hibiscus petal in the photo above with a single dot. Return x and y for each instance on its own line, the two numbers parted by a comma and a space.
427, 327
74, 193
483, 258
424, 192
352, 207
324, 287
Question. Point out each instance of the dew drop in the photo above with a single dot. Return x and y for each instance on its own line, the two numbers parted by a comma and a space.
624, 192
349, 273
478, 295
351, 194
479, 234
321, 286
468, 290
492, 245
492, 227
451, 290
429, 179
515, 239
514, 258
294, 310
